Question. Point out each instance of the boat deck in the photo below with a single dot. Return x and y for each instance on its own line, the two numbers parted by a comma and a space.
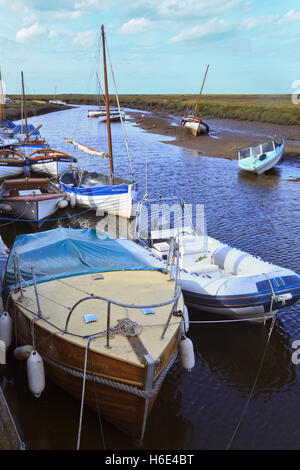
130, 287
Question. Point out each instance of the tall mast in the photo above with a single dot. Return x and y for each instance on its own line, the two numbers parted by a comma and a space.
196, 107
2, 100
107, 110
24, 105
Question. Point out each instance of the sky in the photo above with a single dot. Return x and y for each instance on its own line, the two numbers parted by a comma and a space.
155, 46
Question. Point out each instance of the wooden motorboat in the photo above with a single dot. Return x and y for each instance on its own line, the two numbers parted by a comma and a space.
263, 157
214, 277
106, 326
46, 161
12, 163
32, 199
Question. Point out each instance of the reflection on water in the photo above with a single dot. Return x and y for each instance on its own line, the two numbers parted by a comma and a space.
197, 410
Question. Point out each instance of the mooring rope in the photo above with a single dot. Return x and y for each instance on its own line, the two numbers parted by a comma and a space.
253, 387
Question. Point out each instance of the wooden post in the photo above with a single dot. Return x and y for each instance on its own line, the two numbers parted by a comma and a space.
2, 98
107, 110
196, 107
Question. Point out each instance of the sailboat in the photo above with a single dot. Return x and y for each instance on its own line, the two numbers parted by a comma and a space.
6, 126
107, 192
192, 121
29, 136
114, 113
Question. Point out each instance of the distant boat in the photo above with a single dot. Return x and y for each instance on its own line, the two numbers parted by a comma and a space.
261, 158
114, 115
32, 199
110, 193
12, 163
192, 121
57, 102
46, 161
111, 349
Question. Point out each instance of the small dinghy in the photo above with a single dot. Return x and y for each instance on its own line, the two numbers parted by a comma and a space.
93, 190
214, 277
32, 199
102, 321
46, 161
12, 163
262, 157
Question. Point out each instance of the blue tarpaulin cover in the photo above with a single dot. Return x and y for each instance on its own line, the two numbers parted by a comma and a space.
67, 252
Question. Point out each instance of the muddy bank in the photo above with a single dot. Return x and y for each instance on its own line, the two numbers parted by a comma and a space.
226, 137
33, 109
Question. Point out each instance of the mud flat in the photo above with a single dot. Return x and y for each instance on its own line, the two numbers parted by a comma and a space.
226, 137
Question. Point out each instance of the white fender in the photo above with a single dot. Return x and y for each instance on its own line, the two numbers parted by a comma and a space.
5, 208
185, 324
2, 352
23, 352
35, 373
187, 355
6, 329
62, 203
72, 199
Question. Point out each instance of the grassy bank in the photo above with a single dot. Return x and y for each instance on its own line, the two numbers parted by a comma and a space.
276, 109
34, 107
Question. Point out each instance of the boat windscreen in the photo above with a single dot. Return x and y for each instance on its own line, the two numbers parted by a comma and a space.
245, 153
267, 147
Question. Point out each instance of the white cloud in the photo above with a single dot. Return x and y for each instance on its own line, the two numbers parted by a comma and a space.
34, 31
135, 25
68, 14
169, 8
212, 27
290, 17
85, 39
252, 22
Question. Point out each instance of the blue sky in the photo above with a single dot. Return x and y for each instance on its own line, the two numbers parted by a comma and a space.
156, 46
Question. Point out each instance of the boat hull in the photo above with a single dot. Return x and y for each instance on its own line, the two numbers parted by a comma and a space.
195, 126
246, 296
257, 166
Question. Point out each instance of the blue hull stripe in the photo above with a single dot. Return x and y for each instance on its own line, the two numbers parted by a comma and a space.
97, 191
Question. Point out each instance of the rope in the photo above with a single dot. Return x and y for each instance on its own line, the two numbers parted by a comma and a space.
115, 384
253, 388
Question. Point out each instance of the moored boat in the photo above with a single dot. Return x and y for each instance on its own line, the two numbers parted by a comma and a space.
46, 161
214, 277
93, 190
109, 193
12, 163
261, 158
32, 199
107, 326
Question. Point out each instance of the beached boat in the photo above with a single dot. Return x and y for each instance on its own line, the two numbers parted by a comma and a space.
109, 193
214, 277
32, 199
261, 158
192, 121
107, 327
46, 161
12, 163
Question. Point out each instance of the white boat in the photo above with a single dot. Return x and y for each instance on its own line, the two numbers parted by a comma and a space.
114, 115
57, 102
32, 199
93, 190
106, 192
214, 277
262, 158
194, 124
7, 141
192, 121
12, 163
46, 161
